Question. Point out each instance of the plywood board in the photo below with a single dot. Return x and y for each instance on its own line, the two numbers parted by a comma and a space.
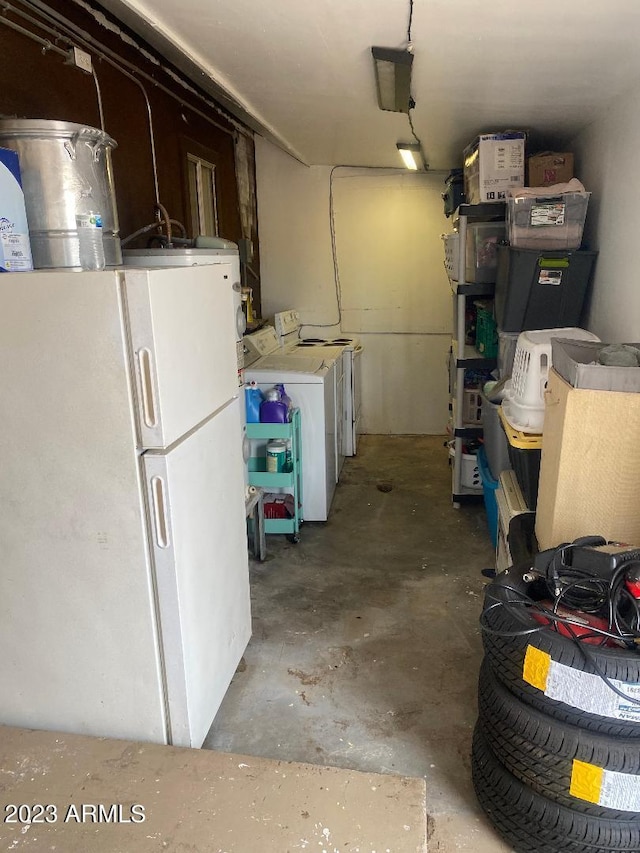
195, 800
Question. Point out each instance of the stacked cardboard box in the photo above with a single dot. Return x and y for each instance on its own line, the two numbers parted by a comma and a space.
590, 467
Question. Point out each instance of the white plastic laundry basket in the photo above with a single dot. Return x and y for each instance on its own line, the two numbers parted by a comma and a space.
451, 249
469, 472
523, 402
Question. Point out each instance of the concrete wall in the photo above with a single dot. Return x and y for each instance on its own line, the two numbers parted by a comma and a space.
607, 164
388, 284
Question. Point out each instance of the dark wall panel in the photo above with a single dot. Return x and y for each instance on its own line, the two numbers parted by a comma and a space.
38, 84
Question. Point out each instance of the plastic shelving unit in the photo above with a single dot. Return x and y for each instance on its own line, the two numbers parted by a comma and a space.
290, 481
463, 356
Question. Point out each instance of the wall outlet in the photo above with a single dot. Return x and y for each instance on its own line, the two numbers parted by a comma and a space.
82, 60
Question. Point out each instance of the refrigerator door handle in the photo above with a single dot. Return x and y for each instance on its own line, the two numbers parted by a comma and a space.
158, 494
146, 386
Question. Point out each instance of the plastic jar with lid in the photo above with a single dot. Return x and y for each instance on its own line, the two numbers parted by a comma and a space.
276, 455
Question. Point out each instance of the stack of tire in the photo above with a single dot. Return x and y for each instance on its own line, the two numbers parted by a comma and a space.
556, 751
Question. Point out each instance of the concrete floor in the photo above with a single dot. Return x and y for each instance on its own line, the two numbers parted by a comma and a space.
366, 647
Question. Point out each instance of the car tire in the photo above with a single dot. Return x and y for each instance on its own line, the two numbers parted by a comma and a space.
540, 751
534, 824
506, 652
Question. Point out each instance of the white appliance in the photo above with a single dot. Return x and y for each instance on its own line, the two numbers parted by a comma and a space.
180, 257
124, 590
335, 356
195, 257
258, 344
352, 349
287, 326
310, 383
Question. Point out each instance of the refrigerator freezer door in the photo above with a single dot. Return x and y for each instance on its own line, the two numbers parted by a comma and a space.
200, 554
183, 347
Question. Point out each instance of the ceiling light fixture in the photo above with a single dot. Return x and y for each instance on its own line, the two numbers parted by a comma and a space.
393, 78
412, 156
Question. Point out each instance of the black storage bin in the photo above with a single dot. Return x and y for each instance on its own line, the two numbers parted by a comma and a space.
453, 196
525, 454
526, 467
538, 289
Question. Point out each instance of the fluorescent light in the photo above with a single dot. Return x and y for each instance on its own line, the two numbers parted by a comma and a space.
408, 158
411, 153
393, 78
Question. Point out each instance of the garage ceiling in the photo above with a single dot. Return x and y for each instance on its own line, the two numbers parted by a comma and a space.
302, 69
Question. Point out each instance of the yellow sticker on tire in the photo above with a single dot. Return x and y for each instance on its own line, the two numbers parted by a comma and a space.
609, 788
586, 781
536, 668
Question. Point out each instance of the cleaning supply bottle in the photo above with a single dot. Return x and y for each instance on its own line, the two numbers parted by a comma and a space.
253, 397
272, 409
285, 398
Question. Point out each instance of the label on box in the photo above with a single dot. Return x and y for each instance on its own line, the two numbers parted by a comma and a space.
550, 277
551, 213
16, 252
509, 156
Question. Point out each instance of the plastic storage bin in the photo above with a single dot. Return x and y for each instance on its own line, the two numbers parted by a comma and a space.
540, 290
507, 342
525, 452
453, 195
577, 363
486, 331
472, 412
494, 439
547, 222
489, 486
481, 255
470, 475
523, 402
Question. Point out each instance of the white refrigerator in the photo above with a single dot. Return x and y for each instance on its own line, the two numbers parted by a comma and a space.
124, 588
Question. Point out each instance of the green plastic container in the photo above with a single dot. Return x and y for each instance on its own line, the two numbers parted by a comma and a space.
486, 332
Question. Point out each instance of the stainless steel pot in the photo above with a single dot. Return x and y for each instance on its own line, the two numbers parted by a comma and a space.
59, 161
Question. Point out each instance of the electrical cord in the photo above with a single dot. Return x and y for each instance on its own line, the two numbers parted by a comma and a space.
586, 653
541, 611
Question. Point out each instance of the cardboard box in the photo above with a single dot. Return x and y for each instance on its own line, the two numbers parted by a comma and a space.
576, 362
549, 167
493, 163
15, 248
590, 467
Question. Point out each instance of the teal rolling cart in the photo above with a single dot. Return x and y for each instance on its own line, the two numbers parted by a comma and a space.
285, 481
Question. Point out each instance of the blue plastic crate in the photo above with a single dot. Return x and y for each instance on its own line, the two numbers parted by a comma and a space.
489, 486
